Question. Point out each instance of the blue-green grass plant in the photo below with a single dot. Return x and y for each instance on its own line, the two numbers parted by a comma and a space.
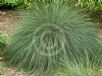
45, 35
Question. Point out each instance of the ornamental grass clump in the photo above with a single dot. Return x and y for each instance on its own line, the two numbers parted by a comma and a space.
45, 36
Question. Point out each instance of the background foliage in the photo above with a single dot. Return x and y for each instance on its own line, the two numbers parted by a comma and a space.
91, 5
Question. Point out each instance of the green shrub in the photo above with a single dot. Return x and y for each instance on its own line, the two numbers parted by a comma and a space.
92, 5
16, 3
3, 40
46, 35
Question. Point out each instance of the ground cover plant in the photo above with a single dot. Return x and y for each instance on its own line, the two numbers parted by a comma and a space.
3, 41
47, 34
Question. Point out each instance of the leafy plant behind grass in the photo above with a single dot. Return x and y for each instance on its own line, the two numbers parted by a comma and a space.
8, 2
46, 35
16, 4
90, 4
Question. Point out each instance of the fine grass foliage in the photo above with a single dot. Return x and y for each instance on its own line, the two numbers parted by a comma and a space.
74, 69
44, 36
68, 68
